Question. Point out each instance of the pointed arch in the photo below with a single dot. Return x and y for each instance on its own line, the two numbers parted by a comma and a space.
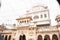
39, 37
6, 37
46, 37
54, 37
9, 37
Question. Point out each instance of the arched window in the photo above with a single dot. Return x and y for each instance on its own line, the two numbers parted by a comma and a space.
46, 37
9, 37
45, 15
6, 37
41, 16
36, 17
39, 37
54, 37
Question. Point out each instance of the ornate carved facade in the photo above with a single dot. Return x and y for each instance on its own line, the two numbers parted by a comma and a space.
35, 25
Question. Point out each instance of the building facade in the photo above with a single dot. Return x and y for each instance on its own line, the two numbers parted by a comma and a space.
35, 25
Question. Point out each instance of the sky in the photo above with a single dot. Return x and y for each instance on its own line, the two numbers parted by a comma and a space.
12, 9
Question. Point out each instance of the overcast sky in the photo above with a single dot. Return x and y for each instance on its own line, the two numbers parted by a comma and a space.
12, 9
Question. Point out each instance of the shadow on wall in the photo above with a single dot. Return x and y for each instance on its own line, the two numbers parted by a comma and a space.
1, 38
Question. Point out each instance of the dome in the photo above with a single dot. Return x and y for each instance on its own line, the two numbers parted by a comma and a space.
37, 8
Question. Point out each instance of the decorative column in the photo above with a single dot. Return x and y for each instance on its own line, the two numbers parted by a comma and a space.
42, 37
7, 37
50, 36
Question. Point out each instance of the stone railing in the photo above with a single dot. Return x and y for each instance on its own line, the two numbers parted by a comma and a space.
48, 28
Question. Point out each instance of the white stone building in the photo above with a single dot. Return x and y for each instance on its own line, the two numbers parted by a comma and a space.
35, 25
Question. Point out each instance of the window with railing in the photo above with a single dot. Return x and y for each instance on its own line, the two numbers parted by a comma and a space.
45, 15
41, 16
36, 17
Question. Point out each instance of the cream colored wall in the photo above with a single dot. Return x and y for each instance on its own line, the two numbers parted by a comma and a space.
32, 32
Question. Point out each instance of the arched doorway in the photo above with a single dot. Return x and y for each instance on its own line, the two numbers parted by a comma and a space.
46, 37
54, 37
2, 35
39, 37
6, 37
22, 37
1, 38
9, 37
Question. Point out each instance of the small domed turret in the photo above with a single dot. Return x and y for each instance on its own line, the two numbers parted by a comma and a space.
58, 19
